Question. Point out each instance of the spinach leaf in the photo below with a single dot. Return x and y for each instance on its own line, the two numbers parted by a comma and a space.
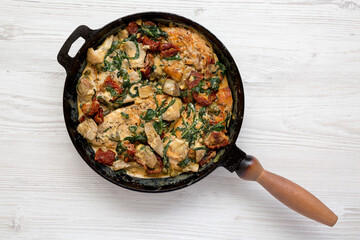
165, 157
184, 162
175, 57
163, 110
140, 138
202, 112
152, 31
133, 129
125, 115
200, 148
160, 126
149, 114
214, 83
112, 91
120, 148
222, 68
114, 45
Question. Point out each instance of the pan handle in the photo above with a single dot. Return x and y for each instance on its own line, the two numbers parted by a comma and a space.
63, 57
286, 191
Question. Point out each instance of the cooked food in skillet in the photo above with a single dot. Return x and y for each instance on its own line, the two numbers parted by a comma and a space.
154, 101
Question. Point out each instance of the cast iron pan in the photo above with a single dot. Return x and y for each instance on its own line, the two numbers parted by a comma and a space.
231, 157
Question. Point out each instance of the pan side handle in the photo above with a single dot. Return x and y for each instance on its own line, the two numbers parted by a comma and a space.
289, 193
63, 57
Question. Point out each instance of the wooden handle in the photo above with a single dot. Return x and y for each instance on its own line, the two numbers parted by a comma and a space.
287, 192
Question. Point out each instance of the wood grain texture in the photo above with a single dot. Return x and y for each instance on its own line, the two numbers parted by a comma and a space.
300, 63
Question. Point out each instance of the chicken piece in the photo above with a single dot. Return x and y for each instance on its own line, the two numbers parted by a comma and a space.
154, 139
97, 56
120, 164
158, 68
85, 89
171, 87
194, 49
128, 98
130, 49
88, 129
192, 167
173, 112
116, 126
177, 151
174, 69
216, 140
200, 153
145, 156
133, 76
123, 34
146, 91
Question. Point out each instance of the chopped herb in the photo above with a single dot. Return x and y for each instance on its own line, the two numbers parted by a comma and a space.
199, 88
222, 68
166, 158
114, 45
136, 92
191, 133
182, 109
200, 148
106, 129
125, 115
214, 83
93, 94
190, 107
184, 162
149, 114
140, 138
202, 112
120, 148
133, 129
172, 132
120, 171
123, 73
159, 126
161, 110
175, 57
152, 31
112, 91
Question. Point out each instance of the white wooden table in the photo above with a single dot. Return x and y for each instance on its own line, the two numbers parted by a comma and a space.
300, 63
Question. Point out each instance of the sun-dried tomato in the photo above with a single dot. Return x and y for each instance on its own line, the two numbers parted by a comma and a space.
145, 72
103, 157
170, 52
216, 140
194, 79
203, 99
165, 46
210, 60
132, 28
130, 150
82, 118
91, 108
109, 82
210, 155
99, 117
154, 46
